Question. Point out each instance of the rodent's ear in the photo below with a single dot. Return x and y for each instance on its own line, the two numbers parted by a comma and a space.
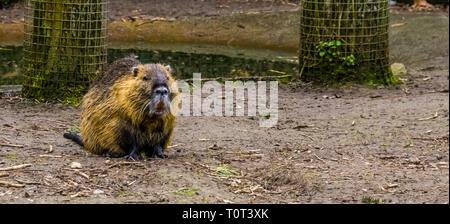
169, 68
135, 71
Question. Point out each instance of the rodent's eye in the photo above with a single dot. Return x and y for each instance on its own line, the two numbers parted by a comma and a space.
135, 71
145, 78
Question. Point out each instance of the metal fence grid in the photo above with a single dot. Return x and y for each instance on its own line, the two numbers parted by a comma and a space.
64, 46
360, 27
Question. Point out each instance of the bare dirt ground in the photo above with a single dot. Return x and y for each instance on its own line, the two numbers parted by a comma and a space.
119, 9
348, 145
330, 146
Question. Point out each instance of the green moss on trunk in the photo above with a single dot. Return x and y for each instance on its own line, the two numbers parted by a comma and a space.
64, 47
361, 29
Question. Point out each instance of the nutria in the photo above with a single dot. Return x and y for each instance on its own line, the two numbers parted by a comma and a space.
129, 110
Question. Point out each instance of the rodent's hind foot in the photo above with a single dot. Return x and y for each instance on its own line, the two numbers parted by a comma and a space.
158, 153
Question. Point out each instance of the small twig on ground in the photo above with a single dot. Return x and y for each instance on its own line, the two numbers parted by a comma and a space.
391, 186
11, 145
26, 182
82, 174
438, 91
50, 149
50, 156
425, 139
81, 193
132, 182
4, 139
397, 24
173, 146
158, 19
4, 174
429, 118
387, 157
15, 167
9, 184
319, 158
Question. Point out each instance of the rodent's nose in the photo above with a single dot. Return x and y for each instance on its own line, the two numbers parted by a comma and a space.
162, 91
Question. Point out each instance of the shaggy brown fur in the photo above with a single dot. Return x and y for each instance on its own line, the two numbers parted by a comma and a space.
114, 115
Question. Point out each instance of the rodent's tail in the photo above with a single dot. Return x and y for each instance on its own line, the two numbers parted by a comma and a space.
74, 137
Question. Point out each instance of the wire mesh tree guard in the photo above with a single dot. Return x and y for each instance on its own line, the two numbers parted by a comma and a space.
344, 40
64, 47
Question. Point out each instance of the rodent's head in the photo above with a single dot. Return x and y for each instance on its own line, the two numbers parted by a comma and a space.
155, 83
148, 91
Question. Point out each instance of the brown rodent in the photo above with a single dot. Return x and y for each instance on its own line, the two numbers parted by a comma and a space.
129, 110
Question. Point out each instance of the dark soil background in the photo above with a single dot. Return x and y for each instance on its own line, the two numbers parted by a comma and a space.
119, 9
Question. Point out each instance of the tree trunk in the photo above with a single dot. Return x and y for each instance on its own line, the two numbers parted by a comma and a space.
64, 47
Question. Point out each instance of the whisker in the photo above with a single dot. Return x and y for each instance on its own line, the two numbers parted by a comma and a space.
146, 106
